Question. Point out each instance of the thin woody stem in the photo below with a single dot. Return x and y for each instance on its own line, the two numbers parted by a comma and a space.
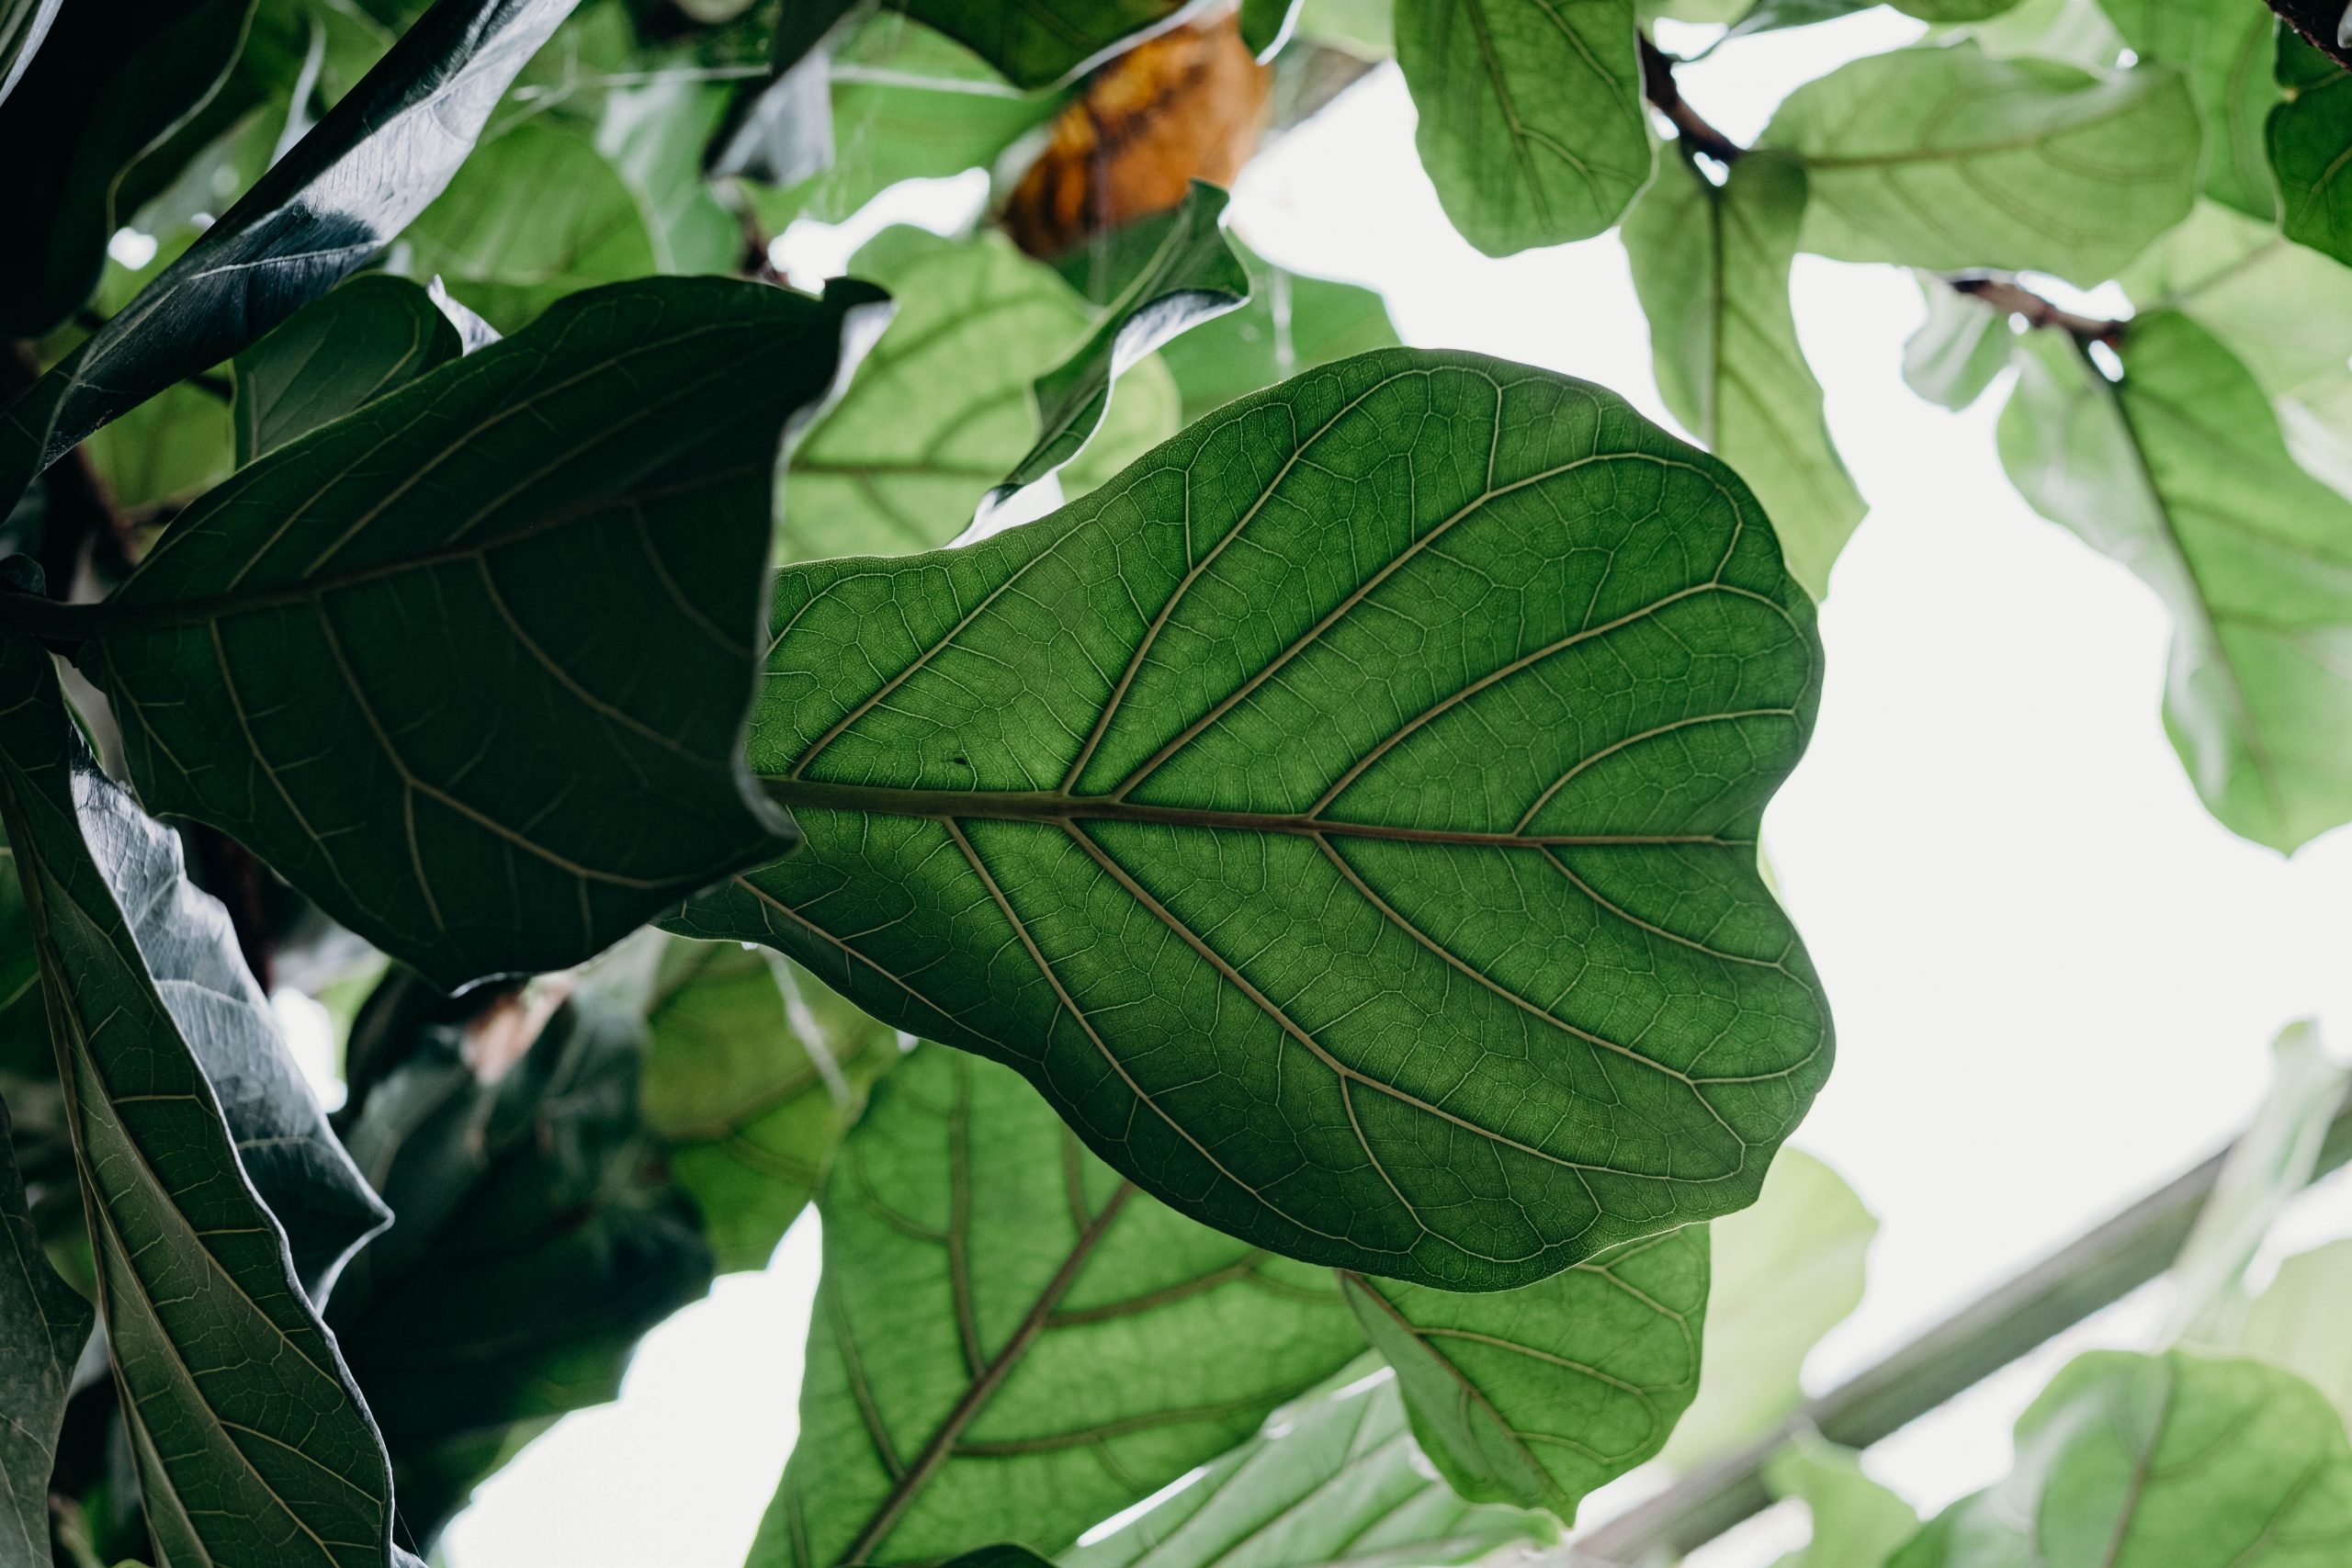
2003, 294
1659, 86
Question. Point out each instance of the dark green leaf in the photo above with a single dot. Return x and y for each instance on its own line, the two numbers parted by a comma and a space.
1539, 1395
1947, 158
358, 342
109, 83
1004, 1556
1291, 322
2180, 472
580, 512
250, 1440
2225, 48
753, 1069
1366, 730
942, 408
1011, 1340
1266, 25
1531, 124
1961, 349
1036, 43
2160, 1461
44, 1325
23, 25
363, 171
532, 1249
781, 132
1952, 11
1333, 1482
2308, 134
1192, 277
1710, 263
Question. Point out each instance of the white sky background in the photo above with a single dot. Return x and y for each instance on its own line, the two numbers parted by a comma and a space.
2055, 976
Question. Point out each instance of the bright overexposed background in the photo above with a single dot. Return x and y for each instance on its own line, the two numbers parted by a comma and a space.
2055, 976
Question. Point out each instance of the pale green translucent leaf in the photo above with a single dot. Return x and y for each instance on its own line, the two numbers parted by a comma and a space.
1857, 1523
1531, 123
2298, 1321
1541, 1395
1786, 1272
2077, 31
1711, 263
1961, 349
1363, 732
1948, 158
2179, 471
1291, 323
2282, 308
2225, 48
2160, 1461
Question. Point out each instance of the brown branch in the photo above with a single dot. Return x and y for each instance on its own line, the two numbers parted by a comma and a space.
2014, 299
1659, 85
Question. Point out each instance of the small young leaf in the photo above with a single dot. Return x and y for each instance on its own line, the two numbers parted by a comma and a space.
2179, 471
1532, 125
1857, 1523
579, 513
1009, 1340
1948, 159
359, 341
2225, 49
44, 1325
1539, 1395
248, 1435
1332, 1481
1710, 263
1961, 349
1363, 729
2307, 137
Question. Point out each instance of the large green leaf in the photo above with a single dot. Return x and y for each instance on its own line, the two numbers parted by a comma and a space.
942, 409
2077, 31
579, 513
247, 1433
2308, 132
1399, 735
1539, 1395
1711, 263
1011, 1342
1333, 1482
1786, 1272
534, 1245
2160, 1461
1291, 322
1948, 158
2282, 308
1856, 1522
1530, 114
2225, 48
2179, 471
753, 1069
362, 172
1036, 43
44, 1325
368, 337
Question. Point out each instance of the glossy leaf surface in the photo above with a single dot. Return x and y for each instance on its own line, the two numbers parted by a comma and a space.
1362, 731
23, 25
370, 336
1036, 43
44, 1323
248, 1435
1948, 159
595, 591
1710, 263
2179, 471
1530, 114
1011, 1341
1539, 1395
2308, 133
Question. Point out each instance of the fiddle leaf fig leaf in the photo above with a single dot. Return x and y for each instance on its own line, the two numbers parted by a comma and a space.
1947, 158
1009, 1340
581, 513
1857, 1523
370, 166
1332, 1481
246, 1431
2160, 1461
2225, 53
368, 337
1291, 322
1038, 43
2179, 471
1532, 125
1710, 263
2308, 132
943, 407
1194, 277
44, 1323
1363, 730
1961, 349
1539, 1395
2295, 1322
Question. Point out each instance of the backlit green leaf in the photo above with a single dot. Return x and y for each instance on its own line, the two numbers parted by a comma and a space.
248, 1436
580, 513
1398, 735
2160, 1461
1036, 43
1011, 1341
1947, 158
2179, 473
368, 337
1539, 1395
1332, 1481
2225, 49
2298, 1322
44, 1325
1530, 114
2077, 31
1711, 263
1857, 1523
1291, 322
2308, 133
1961, 349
